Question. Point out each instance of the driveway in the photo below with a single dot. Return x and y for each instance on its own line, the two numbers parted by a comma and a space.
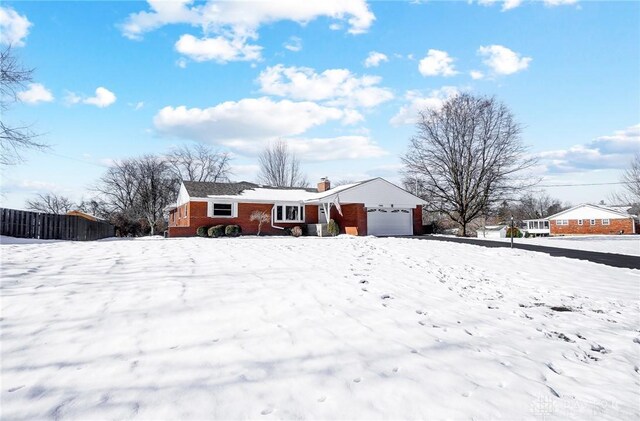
610, 259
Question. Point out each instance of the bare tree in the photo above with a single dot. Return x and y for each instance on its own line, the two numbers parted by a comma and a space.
532, 206
50, 203
136, 190
199, 163
630, 180
470, 155
280, 168
156, 189
119, 187
261, 217
13, 139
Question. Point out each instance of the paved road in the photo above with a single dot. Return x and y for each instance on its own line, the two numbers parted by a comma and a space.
611, 259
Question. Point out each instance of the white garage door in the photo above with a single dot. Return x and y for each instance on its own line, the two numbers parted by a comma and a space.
389, 221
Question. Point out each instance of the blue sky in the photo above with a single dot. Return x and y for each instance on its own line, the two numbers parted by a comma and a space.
339, 81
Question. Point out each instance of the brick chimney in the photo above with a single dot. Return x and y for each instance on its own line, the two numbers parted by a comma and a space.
324, 184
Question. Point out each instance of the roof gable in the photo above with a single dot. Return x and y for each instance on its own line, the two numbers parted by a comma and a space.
588, 211
372, 193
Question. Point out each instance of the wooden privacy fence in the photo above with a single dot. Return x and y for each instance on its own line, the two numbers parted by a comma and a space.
48, 226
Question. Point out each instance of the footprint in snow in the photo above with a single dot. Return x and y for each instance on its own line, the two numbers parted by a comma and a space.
395, 369
267, 411
554, 369
357, 380
322, 399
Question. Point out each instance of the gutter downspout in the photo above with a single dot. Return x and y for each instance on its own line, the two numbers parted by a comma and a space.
273, 226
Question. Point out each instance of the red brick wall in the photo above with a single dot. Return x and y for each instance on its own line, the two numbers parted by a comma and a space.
614, 227
417, 221
353, 215
197, 217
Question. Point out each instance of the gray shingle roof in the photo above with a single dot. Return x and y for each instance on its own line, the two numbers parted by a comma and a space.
204, 188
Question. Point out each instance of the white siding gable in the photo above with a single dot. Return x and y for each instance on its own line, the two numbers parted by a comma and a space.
379, 193
183, 195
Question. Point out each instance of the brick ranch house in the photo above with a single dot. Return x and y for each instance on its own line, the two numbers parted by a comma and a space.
370, 207
593, 219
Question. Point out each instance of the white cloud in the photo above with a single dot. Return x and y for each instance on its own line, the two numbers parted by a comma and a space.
503, 61
437, 63
552, 3
181, 63
227, 25
336, 86
137, 106
14, 27
374, 59
604, 152
218, 49
102, 98
416, 102
35, 93
335, 148
506, 4
293, 44
476, 74
246, 124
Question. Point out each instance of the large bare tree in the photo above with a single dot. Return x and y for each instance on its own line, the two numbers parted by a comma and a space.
199, 163
469, 155
50, 203
135, 190
279, 167
14, 139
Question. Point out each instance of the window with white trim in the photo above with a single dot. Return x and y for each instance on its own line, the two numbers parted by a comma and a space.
606, 221
580, 222
592, 222
289, 213
562, 222
221, 210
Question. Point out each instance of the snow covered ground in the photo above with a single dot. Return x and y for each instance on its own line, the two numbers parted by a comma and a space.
621, 244
313, 328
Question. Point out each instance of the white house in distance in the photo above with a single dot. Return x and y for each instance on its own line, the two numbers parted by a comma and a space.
492, 231
593, 219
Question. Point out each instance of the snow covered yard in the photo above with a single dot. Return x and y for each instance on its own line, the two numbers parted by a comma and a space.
620, 244
314, 328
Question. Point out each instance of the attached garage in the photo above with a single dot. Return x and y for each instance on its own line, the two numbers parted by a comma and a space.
389, 221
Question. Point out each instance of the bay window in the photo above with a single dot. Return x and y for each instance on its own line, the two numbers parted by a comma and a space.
289, 213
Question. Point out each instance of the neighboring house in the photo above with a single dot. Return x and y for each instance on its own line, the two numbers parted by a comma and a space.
371, 207
492, 231
593, 219
85, 216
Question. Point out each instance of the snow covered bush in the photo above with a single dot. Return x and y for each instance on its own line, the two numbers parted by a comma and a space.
202, 231
232, 230
333, 228
261, 217
296, 231
216, 231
